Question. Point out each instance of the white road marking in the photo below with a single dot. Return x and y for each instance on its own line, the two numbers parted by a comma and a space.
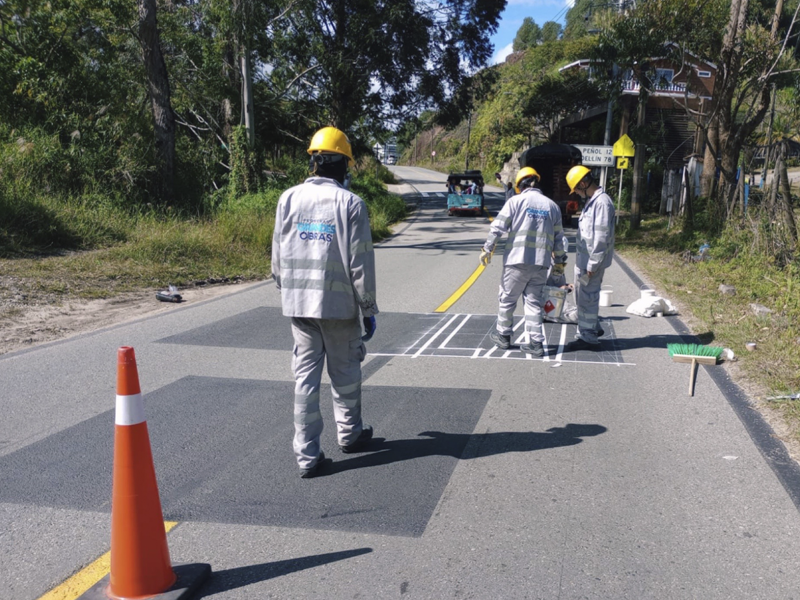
455, 331
435, 335
562, 342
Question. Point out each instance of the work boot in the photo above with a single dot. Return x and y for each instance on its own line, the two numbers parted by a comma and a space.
363, 439
312, 471
600, 332
501, 341
533, 348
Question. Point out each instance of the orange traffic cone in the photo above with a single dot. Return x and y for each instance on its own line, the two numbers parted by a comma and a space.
140, 563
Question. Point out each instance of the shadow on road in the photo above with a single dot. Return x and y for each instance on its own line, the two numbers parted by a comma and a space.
230, 579
436, 443
649, 341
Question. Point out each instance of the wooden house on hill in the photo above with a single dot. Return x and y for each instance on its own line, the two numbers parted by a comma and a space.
673, 86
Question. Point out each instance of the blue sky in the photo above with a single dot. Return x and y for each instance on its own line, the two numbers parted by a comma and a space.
540, 11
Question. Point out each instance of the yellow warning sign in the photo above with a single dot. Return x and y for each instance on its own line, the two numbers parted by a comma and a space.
622, 163
624, 146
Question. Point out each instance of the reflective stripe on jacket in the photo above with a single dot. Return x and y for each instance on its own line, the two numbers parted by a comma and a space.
595, 239
322, 256
533, 224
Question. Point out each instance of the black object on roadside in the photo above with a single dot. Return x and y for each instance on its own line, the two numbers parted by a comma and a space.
170, 295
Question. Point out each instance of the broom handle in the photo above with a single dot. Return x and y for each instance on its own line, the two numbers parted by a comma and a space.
691, 377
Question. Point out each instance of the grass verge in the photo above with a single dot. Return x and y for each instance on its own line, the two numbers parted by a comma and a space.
58, 249
773, 369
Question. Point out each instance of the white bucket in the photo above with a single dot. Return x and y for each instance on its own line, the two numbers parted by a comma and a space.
648, 294
605, 297
554, 301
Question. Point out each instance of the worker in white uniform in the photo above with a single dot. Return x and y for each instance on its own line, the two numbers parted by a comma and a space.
594, 253
535, 240
324, 266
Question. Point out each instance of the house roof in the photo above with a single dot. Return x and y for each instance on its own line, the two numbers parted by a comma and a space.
587, 61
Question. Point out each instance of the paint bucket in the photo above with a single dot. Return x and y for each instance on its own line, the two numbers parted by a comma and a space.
554, 298
605, 297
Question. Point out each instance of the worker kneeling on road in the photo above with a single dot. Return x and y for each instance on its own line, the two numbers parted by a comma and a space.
324, 266
595, 250
533, 223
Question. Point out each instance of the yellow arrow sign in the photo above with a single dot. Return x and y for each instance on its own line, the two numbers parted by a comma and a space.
624, 146
622, 163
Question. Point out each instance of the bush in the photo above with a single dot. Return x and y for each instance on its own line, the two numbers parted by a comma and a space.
31, 224
384, 208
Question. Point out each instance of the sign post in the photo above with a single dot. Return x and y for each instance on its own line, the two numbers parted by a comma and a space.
623, 149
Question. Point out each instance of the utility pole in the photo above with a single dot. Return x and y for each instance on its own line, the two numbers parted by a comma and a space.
609, 121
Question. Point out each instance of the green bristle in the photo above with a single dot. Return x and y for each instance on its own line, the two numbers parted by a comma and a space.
695, 350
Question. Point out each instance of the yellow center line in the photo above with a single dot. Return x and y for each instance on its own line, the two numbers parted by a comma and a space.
464, 286
84, 579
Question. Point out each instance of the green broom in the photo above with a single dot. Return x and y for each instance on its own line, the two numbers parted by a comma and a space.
694, 354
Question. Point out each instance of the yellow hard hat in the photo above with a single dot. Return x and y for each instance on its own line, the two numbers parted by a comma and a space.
524, 173
330, 139
575, 175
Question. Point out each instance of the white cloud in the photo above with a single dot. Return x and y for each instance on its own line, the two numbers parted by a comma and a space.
501, 54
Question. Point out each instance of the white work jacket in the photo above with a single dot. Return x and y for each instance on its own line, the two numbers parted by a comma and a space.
322, 256
595, 240
533, 223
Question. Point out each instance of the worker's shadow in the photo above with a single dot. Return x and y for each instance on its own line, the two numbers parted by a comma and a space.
381, 451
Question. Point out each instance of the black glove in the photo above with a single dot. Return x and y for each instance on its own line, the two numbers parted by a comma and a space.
369, 328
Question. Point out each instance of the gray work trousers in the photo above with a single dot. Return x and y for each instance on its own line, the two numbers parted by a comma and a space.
587, 297
338, 341
527, 281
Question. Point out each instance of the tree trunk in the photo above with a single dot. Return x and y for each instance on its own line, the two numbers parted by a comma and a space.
786, 196
772, 202
638, 167
158, 89
708, 178
247, 97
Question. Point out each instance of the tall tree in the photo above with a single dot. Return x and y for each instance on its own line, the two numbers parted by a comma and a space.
528, 35
580, 16
158, 89
364, 60
748, 56
551, 31
750, 59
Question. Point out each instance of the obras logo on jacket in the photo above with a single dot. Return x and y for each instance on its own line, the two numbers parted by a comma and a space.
316, 229
537, 213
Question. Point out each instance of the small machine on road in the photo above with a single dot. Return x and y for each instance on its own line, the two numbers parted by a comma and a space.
465, 193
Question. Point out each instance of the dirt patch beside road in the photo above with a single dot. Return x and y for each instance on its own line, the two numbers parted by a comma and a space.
28, 320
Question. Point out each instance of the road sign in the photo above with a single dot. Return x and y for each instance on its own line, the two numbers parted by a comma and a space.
596, 156
622, 163
624, 146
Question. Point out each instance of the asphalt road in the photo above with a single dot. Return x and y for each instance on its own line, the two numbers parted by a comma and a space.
493, 475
